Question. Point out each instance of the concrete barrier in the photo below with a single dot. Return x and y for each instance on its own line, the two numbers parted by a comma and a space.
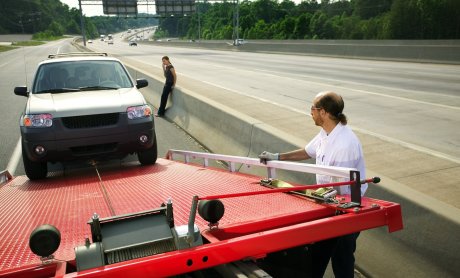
426, 51
218, 128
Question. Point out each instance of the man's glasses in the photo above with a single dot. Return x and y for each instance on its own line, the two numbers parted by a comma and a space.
315, 108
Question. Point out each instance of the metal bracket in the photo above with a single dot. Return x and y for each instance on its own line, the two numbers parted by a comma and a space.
355, 187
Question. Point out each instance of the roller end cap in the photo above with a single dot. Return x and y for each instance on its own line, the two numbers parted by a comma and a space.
44, 240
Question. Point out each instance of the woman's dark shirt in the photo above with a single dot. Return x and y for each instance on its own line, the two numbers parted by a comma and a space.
168, 74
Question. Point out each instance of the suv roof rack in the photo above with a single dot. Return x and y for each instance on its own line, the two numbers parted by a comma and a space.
74, 54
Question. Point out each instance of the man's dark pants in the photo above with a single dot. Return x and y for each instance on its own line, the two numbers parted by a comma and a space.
341, 252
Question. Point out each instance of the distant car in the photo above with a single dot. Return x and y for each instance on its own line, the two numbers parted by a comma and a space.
132, 43
90, 41
110, 42
84, 107
240, 42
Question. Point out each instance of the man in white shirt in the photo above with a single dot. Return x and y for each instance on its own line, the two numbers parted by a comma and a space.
334, 145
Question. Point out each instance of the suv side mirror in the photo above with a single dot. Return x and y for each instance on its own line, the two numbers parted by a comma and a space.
21, 91
141, 83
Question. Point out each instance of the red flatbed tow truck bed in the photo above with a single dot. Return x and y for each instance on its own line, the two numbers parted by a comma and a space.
251, 227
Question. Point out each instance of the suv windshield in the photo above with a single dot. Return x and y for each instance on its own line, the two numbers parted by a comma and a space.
70, 76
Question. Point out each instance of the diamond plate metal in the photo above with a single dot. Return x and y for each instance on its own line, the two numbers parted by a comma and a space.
67, 202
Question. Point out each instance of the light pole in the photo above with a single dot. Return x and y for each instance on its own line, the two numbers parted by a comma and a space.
237, 24
237, 19
82, 23
21, 22
199, 21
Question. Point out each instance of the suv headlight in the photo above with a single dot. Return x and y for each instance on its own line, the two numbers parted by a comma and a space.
136, 112
39, 120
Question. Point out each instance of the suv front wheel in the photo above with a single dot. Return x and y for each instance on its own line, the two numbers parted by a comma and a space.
34, 170
149, 156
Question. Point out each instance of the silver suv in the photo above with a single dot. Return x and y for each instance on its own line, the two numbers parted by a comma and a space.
84, 106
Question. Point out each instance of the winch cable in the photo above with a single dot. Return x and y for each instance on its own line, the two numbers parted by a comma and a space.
287, 189
104, 191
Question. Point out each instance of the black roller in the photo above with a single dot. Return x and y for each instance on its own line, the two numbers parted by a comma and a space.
44, 240
375, 179
211, 210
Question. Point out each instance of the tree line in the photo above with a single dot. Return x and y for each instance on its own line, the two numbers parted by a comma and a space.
257, 19
339, 19
51, 18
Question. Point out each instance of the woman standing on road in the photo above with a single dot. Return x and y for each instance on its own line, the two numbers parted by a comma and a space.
170, 75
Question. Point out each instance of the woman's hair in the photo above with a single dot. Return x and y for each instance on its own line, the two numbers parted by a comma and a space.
165, 58
334, 105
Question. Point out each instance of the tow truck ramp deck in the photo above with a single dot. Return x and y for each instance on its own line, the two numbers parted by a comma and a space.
253, 221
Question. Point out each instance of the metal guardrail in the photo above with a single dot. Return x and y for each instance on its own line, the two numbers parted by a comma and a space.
271, 166
432, 51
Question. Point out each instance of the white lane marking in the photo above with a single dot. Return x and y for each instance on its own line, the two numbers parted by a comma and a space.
275, 74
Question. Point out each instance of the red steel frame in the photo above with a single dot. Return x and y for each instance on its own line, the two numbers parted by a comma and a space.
241, 239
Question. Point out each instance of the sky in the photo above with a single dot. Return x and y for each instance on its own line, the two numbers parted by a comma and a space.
89, 9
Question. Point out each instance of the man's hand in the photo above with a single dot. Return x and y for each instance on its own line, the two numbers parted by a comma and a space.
265, 156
